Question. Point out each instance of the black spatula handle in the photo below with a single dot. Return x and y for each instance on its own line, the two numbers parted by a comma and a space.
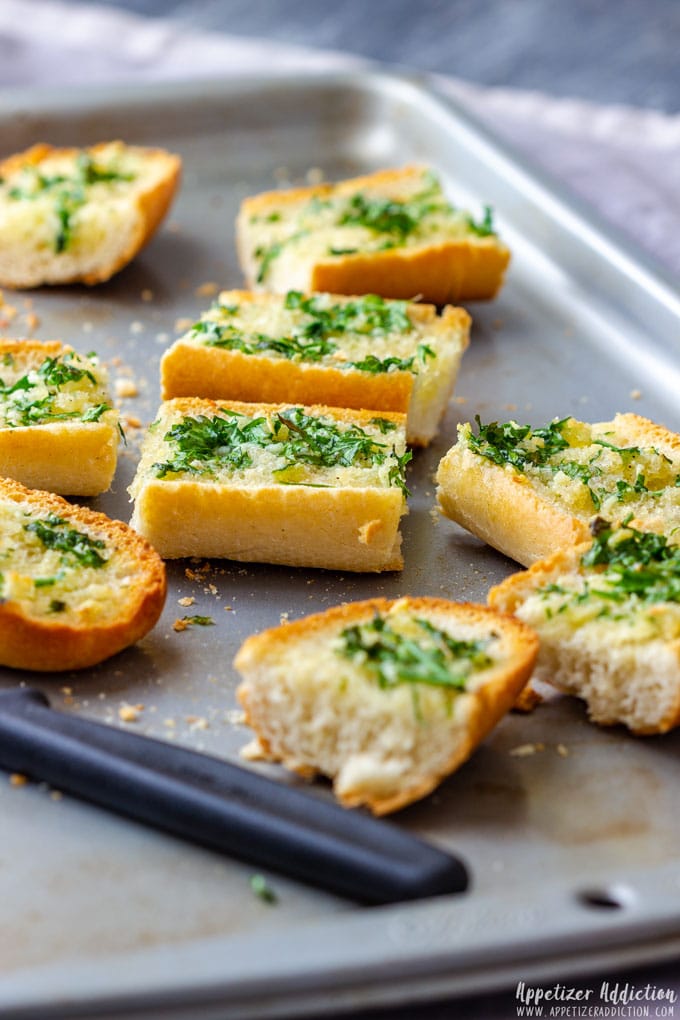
221, 806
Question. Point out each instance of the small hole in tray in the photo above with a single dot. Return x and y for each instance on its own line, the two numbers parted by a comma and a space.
607, 898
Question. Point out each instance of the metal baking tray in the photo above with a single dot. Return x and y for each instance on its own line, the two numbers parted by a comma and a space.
572, 848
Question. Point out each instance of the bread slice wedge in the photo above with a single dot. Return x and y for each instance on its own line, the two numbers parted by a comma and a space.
384, 697
273, 483
58, 427
392, 233
79, 215
75, 586
361, 352
530, 491
607, 613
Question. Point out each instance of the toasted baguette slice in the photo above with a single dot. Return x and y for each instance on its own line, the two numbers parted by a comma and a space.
336, 693
608, 617
80, 215
391, 233
323, 349
58, 426
76, 587
528, 492
272, 483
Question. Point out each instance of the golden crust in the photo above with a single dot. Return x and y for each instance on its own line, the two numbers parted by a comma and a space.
463, 270
469, 269
489, 702
68, 457
148, 207
55, 645
500, 506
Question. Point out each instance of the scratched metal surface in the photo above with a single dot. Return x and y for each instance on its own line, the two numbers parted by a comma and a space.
100, 915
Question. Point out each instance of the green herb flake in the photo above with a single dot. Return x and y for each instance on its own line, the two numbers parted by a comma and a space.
198, 621
77, 548
69, 191
204, 445
261, 888
483, 227
433, 658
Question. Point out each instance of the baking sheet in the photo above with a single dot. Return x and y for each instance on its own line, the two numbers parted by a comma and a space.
101, 916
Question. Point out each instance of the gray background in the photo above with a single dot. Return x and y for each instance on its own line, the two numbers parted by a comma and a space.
618, 51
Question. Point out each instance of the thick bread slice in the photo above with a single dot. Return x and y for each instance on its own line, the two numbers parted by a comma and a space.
76, 586
80, 215
323, 349
58, 425
608, 617
272, 483
544, 487
387, 728
391, 233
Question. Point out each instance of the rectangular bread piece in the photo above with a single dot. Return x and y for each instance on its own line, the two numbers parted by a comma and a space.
607, 614
530, 491
361, 352
58, 427
273, 483
392, 233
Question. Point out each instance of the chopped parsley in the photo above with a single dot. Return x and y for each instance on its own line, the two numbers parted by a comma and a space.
261, 888
204, 445
311, 338
266, 254
547, 452
632, 562
33, 397
622, 566
69, 191
77, 548
431, 657
483, 227
198, 621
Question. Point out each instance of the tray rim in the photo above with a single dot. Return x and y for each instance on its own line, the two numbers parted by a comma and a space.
538, 956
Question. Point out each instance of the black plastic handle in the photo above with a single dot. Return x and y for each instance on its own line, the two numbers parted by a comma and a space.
221, 806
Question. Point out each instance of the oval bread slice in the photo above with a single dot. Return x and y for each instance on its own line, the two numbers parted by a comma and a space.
80, 215
326, 695
76, 586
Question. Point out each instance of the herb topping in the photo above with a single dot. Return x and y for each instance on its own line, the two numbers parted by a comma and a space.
431, 657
